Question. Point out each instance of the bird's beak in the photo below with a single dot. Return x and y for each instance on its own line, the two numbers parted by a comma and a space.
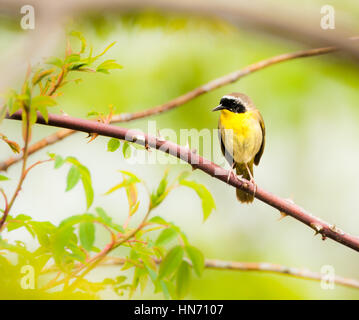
220, 107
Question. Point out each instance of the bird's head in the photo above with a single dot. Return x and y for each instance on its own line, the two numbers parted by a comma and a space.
235, 102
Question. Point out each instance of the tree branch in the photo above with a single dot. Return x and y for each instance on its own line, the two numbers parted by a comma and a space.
258, 267
197, 162
210, 86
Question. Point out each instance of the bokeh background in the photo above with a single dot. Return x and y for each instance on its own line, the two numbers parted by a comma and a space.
310, 107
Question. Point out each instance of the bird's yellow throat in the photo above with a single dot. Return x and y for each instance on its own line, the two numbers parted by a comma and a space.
239, 122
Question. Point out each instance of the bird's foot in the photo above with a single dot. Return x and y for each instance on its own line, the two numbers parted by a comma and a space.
230, 173
255, 186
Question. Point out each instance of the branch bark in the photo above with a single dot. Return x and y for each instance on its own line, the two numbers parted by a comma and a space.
210, 86
197, 162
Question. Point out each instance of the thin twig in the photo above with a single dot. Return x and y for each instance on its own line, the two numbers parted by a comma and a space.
23, 171
210, 86
197, 162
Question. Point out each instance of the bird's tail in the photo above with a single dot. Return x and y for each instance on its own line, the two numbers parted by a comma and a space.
241, 169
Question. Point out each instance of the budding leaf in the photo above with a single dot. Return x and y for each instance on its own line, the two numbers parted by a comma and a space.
126, 150
59, 161
79, 35
55, 61
92, 59
41, 74
108, 65
113, 144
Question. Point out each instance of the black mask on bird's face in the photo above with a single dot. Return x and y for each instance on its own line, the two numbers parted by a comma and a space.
232, 104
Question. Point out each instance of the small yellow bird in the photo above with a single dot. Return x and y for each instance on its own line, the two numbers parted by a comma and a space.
242, 136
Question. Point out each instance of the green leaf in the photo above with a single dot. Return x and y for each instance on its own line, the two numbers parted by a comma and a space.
197, 259
75, 57
13, 102
60, 240
55, 61
44, 113
158, 220
126, 150
124, 184
73, 177
103, 215
44, 101
113, 144
77, 66
59, 161
43, 231
131, 175
79, 36
12, 144
41, 74
19, 221
87, 184
85, 178
208, 203
183, 279
3, 178
108, 65
171, 262
162, 186
87, 235
22, 217
76, 252
90, 59
166, 236
41, 103
70, 221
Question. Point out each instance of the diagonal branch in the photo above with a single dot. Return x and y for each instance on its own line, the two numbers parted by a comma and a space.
197, 162
174, 103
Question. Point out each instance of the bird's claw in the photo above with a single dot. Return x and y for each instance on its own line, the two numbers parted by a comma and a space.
254, 185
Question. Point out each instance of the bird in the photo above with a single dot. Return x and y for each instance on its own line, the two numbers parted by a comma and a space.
241, 132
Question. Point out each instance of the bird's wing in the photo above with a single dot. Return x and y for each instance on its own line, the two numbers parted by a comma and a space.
258, 156
225, 152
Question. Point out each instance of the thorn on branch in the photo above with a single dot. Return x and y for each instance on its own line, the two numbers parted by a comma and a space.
317, 228
282, 215
92, 137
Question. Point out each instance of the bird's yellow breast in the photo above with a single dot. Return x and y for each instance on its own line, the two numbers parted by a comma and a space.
241, 134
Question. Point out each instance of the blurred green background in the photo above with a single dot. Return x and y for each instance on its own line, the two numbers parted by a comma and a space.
310, 107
